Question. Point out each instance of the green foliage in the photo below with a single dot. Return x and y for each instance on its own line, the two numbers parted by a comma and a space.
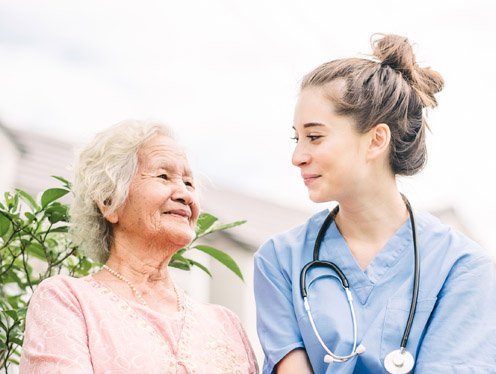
34, 245
222, 257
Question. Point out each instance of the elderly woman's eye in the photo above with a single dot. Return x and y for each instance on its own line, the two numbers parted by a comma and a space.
189, 183
163, 176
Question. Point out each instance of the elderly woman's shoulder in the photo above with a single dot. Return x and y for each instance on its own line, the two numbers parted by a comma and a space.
62, 285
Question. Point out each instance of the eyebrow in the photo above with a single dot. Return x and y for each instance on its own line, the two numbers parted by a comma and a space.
188, 173
166, 165
311, 124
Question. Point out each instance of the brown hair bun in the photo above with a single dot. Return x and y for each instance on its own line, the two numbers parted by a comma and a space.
396, 52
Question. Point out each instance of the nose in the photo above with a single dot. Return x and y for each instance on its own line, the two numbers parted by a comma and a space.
187, 197
181, 194
301, 156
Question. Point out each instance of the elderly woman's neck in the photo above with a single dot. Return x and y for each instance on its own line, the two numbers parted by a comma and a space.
141, 264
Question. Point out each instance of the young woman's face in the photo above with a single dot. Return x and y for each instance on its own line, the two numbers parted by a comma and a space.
330, 153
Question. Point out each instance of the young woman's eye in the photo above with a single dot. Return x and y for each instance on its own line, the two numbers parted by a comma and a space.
295, 139
163, 176
314, 137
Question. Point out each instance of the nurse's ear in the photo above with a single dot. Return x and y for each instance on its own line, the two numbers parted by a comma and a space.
379, 140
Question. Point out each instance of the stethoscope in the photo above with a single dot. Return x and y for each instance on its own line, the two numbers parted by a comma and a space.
399, 361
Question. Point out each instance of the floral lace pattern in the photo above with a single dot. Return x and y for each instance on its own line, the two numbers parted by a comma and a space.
80, 326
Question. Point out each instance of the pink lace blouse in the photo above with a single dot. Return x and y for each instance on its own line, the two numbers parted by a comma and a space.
80, 326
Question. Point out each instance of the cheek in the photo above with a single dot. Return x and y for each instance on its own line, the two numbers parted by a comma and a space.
195, 212
148, 212
194, 206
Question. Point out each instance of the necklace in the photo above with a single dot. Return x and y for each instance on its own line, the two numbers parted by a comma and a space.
138, 294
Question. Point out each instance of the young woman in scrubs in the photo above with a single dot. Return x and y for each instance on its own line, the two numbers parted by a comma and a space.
358, 124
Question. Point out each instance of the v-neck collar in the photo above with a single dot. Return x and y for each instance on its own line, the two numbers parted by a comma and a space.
334, 248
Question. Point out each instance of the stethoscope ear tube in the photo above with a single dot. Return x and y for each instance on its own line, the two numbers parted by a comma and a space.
323, 229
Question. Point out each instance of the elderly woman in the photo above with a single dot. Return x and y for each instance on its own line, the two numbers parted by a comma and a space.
135, 206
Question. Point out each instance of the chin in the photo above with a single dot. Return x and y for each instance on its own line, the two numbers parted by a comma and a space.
317, 198
182, 238
179, 232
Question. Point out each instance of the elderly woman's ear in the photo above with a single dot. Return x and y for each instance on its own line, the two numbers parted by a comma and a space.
104, 208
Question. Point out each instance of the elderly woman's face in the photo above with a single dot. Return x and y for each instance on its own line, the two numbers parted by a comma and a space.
162, 205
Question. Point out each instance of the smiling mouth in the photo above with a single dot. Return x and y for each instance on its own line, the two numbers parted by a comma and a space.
310, 179
179, 213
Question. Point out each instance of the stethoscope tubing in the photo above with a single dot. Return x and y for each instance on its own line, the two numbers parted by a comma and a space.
321, 263
416, 278
321, 341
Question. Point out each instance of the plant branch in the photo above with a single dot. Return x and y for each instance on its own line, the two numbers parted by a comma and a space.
25, 266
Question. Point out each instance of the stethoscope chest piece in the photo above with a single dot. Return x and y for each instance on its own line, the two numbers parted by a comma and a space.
399, 361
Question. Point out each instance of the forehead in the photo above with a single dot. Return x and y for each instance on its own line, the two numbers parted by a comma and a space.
312, 106
316, 104
322, 96
162, 151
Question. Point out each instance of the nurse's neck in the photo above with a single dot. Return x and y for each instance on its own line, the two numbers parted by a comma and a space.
368, 223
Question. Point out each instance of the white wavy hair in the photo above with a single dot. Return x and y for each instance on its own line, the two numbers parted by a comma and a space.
102, 175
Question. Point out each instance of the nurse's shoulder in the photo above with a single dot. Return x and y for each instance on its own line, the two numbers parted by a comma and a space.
284, 246
445, 247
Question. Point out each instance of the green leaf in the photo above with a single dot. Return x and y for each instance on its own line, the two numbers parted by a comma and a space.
11, 313
66, 183
14, 361
85, 265
16, 341
201, 266
57, 229
4, 224
57, 212
180, 262
4, 328
12, 201
30, 216
52, 194
205, 221
21, 312
28, 199
178, 257
179, 265
222, 257
7, 196
220, 227
36, 250
11, 277
229, 225
181, 251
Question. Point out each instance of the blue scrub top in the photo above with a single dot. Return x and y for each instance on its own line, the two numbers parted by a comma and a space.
454, 329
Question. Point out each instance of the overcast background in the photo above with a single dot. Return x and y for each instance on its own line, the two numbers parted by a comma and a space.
225, 75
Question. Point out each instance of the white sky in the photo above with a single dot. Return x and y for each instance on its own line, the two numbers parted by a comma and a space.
224, 74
